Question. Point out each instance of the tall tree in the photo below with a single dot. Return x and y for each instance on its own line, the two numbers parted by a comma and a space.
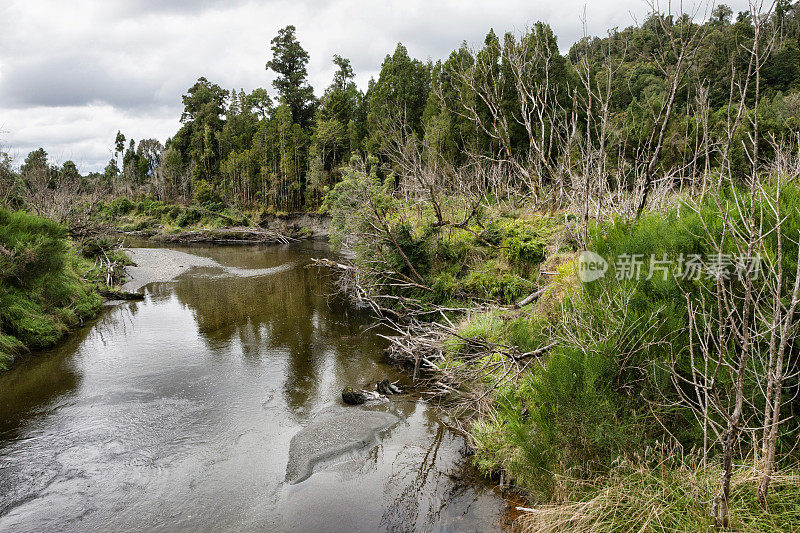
198, 140
401, 90
289, 61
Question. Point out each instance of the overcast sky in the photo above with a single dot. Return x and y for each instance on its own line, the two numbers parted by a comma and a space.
73, 73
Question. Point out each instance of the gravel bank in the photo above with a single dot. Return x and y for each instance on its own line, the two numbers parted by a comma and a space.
158, 264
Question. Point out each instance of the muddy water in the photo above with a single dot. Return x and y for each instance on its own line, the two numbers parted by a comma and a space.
176, 414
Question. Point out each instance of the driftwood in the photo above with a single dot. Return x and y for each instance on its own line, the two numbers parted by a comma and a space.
115, 294
421, 331
530, 298
228, 235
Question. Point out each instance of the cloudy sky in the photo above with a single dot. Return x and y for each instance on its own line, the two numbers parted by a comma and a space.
73, 73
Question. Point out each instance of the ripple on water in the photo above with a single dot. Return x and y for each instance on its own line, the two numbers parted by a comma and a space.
176, 413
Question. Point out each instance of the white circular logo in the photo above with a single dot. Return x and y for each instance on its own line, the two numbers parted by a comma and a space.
591, 266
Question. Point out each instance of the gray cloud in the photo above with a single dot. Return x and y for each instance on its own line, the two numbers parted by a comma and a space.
72, 74
75, 79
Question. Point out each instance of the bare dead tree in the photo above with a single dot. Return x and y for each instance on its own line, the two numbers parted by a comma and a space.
677, 48
523, 96
595, 102
780, 319
736, 323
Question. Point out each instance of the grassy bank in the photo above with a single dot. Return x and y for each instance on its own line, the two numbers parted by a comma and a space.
664, 490
153, 218
48, 283
568, 395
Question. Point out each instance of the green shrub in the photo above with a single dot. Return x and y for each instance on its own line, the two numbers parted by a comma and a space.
205, 193
41, 294
174, 212
188, 217
148, 206
492, 234
118, 207
524, 241
494, 281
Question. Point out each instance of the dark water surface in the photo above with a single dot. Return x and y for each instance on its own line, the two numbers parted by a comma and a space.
176, 413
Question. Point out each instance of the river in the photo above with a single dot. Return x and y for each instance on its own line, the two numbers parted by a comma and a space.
176, 413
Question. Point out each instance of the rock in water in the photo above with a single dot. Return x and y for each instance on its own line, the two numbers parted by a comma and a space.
351, 396
386, 387
332, 432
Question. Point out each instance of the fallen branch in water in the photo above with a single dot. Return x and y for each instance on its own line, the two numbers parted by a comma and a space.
114, 294
466, 382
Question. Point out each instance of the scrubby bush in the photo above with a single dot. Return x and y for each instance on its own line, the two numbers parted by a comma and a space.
606, 388
41, 294
188, 217
118, 207
204, 192
494, 281
524, 241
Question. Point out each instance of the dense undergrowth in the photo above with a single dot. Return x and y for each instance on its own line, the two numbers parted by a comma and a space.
494, 256
498, 262
604, 394
573, 430
48, 282
150, 217
149, 214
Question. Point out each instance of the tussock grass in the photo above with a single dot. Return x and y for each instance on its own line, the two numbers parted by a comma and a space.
665, 493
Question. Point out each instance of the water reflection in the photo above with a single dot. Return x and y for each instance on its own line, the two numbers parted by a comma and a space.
176, 413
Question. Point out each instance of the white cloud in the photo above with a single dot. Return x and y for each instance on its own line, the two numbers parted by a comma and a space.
72, 74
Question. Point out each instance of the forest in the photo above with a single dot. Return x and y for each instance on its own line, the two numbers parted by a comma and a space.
470, 189
654, 99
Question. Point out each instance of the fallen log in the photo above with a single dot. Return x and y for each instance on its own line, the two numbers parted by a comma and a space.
116, 294
530, 298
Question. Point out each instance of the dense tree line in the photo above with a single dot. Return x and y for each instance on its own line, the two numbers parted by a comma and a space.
652, 98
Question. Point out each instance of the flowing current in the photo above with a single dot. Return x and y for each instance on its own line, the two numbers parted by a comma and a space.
176, 414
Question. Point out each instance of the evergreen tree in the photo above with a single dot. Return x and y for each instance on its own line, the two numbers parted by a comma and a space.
289, 61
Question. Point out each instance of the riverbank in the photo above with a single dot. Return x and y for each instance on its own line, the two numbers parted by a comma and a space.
566, 384
49, 283
52, 283
178, 224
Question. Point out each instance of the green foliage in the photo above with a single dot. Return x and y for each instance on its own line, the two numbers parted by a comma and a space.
484, 326
187, 217
354, 202
289, 61
41, 293
603, 390
401, 90
493, 281
572, 414
120, 206
524, 241
205, 193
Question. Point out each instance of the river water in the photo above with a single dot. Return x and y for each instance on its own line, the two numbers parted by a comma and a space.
176, 413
